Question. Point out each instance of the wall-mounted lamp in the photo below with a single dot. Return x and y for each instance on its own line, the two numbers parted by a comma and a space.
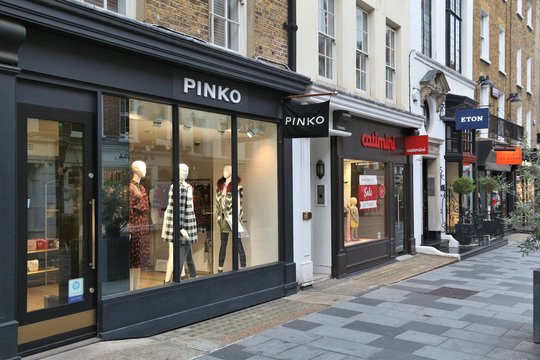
514, 97
484, 80
319, 169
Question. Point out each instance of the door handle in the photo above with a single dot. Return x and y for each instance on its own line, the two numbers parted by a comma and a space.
93, 231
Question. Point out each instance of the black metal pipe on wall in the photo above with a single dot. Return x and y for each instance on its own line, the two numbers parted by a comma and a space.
291, 28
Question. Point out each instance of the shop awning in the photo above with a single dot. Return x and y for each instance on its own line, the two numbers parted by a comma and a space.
486, 157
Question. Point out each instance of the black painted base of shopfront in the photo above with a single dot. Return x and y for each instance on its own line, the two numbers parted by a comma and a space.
366, 255
150, 312
8, 340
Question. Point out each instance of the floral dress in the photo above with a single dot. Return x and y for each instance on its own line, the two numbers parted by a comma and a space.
139, 247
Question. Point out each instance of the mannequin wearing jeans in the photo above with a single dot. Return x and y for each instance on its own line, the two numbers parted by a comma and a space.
188, 225
224, 209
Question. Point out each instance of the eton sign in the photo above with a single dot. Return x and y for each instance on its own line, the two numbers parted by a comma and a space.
472, 119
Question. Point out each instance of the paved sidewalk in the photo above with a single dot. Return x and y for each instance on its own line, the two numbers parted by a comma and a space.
365, 315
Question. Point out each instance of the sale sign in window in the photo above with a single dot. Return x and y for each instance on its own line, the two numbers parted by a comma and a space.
368, 192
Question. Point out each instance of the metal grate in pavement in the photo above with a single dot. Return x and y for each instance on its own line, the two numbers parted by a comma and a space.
454, 293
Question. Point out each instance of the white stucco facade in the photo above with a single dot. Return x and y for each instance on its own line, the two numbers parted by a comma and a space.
313, 238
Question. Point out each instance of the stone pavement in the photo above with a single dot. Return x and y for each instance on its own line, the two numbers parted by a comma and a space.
480, 308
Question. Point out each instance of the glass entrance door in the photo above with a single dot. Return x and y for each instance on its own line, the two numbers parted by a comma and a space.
399, 208
56, 286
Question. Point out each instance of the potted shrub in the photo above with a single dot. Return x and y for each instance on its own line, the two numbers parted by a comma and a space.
488, 184
463, 185
464, 231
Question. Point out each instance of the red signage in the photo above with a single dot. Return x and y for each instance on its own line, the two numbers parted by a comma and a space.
382, 191
416, 145
375, 141
368, 191
508, 157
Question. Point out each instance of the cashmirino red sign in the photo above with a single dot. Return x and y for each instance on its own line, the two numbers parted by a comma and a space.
416, 145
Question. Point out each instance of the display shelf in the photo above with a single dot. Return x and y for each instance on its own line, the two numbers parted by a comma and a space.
42, 271
42, 251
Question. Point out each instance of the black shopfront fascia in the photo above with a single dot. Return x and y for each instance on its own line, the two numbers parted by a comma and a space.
69, 49
346, 260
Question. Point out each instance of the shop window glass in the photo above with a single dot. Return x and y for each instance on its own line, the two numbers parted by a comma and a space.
136, 174
54, 169
364, 202
206, 149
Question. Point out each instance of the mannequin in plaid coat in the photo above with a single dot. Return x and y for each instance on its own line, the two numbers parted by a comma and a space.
187, 226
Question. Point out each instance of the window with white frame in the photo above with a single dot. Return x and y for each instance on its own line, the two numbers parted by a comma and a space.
390, 63
426, 27
519, 8
501, 102
361, 48
519, 115
518, 67
453, 34
326, 38
484, 36
529, 15
124, 7
502, 50
484, 95
226, 25
529, 74
528, 124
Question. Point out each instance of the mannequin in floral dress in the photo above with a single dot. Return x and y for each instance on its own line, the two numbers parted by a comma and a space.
139, 249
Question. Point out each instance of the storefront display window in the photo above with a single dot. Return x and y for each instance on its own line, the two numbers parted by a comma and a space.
364, 202
136, 174
206, 144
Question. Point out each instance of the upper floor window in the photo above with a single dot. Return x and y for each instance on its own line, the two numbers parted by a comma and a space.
484, 36
426, 27
529, 74
390, 63
529, 15
502, 50
361, 49
225, 24
529, 127
518, 67
519, 8
326, 38
453, 34
124, 7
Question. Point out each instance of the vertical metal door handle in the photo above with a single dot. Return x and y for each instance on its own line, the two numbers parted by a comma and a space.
93, 230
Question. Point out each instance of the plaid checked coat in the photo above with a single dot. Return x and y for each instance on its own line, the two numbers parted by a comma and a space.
186, 212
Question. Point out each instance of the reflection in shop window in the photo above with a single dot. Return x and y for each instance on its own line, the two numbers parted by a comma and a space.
364, 202
136, 167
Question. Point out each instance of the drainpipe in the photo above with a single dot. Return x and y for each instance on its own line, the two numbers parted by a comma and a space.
291, 28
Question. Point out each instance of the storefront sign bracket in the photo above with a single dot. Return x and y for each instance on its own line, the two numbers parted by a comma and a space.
333, 93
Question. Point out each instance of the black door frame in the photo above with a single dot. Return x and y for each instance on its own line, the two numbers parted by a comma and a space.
87, 119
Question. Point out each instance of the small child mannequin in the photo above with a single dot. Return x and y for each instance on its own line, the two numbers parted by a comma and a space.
355, 218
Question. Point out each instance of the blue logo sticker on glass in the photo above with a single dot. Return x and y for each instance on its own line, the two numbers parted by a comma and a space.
75, 290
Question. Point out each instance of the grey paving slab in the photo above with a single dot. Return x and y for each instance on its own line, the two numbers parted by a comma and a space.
514, 317
369, 327
344, 333
421, 337
395, 355
430, 301
458, 324
466, 310
486, 329
439, 353
394, 344
290, 335
232, 352
465, 346
529, 347
381, 319
327, 319
507, 354
254, 340
301, 325
345, 347
492, 321
507, 343
336, 311
301, 352
427, 328
522, 335
332, 356
366, 301
454, 315
271, 347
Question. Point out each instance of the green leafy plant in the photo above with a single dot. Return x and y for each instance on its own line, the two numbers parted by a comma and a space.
489, 184
115, 204
463, 185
